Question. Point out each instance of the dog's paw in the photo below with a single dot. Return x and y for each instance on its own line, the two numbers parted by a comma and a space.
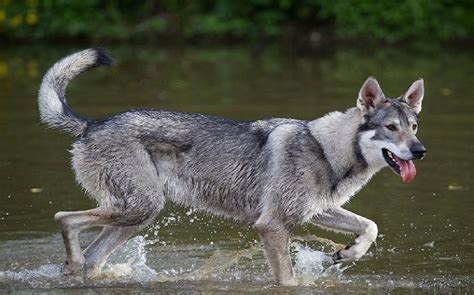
342, 256
73, 269
351, 252
91, 272
290, 282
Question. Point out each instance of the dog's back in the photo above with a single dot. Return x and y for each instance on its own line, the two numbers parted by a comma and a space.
206, 162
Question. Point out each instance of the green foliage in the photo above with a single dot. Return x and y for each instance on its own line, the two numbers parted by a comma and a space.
398, 20
248, 20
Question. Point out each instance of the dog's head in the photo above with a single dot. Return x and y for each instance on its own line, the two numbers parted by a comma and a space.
387, 133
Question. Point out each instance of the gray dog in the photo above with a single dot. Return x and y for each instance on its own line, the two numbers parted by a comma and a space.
272, 174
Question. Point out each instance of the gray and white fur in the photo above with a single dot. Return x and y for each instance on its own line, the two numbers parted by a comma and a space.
271, 174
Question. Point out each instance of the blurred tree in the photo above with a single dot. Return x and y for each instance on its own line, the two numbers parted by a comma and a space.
244, 20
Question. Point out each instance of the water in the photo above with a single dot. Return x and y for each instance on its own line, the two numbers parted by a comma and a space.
425, 242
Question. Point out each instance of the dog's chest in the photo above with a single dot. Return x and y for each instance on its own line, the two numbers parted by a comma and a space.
320, 199
347, 188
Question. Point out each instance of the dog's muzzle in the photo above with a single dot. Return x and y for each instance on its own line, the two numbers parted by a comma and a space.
418, 151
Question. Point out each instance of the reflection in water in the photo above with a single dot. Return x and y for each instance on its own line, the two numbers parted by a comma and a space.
425, 240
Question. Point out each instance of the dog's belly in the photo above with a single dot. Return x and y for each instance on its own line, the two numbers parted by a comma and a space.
216, 184
211, 197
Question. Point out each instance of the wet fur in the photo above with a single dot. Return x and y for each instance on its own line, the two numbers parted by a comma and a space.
272, 174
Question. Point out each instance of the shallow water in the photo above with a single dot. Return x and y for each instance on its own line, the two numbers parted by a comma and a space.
425, 238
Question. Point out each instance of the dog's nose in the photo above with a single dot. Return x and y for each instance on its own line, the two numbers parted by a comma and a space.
418, 150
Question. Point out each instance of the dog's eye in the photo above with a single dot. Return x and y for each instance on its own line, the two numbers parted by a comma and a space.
391, 127
414, 126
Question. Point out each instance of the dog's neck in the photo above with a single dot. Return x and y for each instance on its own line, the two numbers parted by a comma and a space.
337, 133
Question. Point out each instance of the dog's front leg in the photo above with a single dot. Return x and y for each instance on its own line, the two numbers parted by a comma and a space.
345, 221
276, 240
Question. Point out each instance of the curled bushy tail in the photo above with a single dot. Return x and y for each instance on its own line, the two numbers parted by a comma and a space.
53, 108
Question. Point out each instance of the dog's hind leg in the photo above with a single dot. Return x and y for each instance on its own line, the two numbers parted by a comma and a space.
125, 182
119, 226
71, 224
276, 243
345, 221
104, 244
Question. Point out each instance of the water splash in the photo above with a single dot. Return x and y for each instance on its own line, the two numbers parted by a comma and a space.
41, 277
313, 265
141, 264
180, 263
129, 263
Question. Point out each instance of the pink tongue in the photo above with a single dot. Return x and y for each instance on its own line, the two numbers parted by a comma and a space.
408, 170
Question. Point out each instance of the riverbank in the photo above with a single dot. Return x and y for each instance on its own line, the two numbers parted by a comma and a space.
289, 22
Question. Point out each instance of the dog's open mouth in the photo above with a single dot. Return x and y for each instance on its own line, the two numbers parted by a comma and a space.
405, 168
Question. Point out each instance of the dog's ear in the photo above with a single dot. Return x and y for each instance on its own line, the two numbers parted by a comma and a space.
370, 95
414, 95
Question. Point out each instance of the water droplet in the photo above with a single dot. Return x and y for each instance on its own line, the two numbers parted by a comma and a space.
453, 187
36, 190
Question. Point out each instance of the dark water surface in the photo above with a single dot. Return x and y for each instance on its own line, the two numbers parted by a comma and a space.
425, 243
